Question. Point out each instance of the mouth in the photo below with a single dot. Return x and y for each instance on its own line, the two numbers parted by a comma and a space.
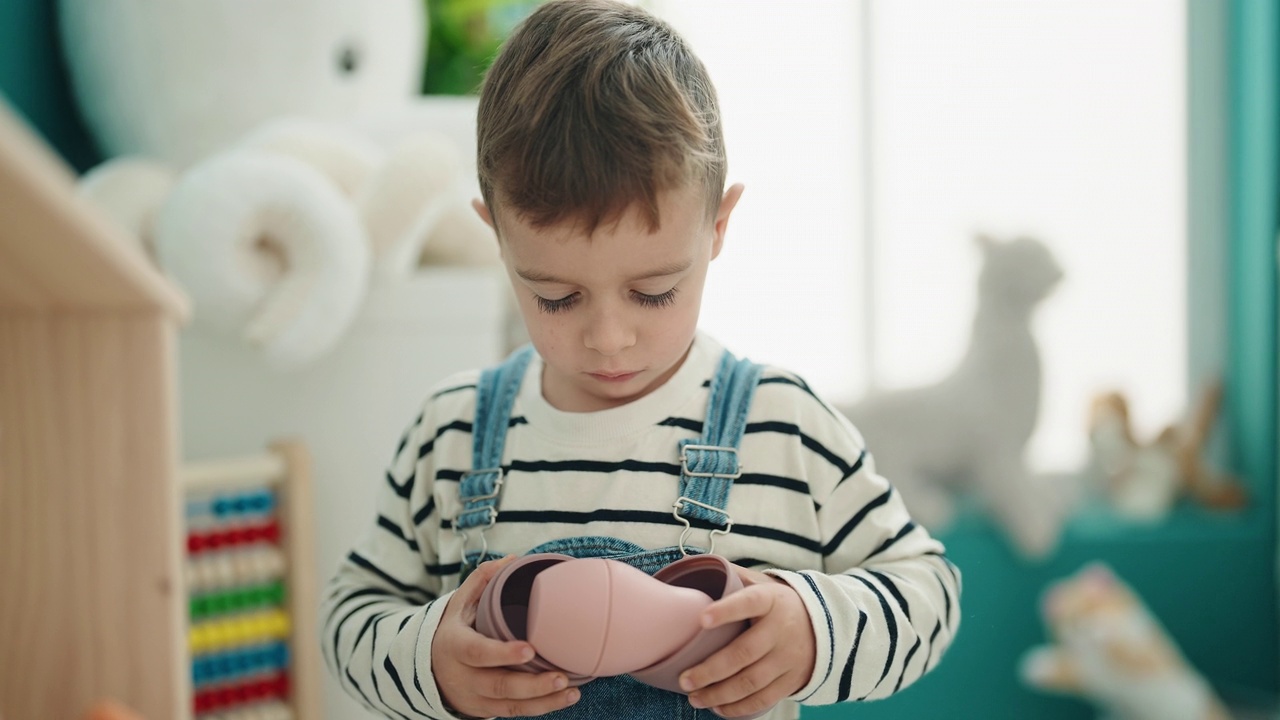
613, 377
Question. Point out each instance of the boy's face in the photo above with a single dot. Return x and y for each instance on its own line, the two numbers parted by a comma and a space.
612, 314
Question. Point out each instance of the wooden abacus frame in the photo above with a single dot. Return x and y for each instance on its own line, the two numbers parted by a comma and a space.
286, 468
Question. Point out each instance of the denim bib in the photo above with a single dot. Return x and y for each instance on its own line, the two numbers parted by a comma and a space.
708, 467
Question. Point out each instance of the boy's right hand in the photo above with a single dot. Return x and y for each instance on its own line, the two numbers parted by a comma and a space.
471, 670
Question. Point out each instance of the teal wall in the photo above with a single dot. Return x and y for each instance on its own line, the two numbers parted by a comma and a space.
33, 78
1255, 137
1253, 368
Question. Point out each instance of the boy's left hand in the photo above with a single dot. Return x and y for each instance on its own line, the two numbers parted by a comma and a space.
771, 660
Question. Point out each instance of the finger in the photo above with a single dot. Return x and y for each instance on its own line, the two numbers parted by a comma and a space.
763, 700
742, 685
527, 708
746, 650
746, 604
505, 684
478, 651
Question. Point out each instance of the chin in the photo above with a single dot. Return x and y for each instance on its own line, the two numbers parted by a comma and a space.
618, 395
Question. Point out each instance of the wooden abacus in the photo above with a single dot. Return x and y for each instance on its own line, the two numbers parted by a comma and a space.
251, 587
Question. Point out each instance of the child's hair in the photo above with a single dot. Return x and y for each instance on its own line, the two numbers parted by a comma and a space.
592, 107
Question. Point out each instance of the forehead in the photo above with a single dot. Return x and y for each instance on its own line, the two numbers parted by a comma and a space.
683, 222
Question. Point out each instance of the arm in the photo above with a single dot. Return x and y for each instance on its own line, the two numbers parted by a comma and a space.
396, 641
885, 607
875, 617
381, 608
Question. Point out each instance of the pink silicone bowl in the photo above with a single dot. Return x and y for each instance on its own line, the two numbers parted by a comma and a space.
504, 613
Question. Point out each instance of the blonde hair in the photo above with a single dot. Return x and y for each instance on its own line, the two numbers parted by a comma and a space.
592, 107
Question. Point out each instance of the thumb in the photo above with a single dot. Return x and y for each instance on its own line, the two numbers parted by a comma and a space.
465, 600
474, 586
751, 577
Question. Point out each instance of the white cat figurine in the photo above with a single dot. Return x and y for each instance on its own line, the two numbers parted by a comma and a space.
1109, 649
968, 432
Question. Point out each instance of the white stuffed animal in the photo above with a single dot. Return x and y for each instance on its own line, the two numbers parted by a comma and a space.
969, 431
1108, 648
251, 157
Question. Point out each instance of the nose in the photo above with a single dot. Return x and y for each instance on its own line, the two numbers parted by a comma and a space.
608, 332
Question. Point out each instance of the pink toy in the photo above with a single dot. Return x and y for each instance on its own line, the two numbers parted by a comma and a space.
594, 617
600, 643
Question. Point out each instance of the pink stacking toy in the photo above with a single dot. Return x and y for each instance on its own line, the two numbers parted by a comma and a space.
593, 617
627, 636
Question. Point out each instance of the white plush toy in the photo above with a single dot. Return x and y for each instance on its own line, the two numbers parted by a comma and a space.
968, 432
1108, 648
273, 156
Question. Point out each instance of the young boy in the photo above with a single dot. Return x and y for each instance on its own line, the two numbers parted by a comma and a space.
602, 169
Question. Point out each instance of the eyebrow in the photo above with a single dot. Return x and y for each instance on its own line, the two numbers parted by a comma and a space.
669, 269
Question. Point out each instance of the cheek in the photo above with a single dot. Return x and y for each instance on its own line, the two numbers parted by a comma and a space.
538, 323
546, 331
676, 325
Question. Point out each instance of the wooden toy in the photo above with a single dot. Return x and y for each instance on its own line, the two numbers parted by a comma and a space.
93, 599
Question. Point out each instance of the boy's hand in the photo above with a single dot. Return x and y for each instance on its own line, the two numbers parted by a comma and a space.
771, 660
471, 669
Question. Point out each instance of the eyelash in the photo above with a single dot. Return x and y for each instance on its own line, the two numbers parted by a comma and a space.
555, 306
657, 301
564, 303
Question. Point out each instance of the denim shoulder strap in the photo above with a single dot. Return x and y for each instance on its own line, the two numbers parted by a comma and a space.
709, 465
495, 395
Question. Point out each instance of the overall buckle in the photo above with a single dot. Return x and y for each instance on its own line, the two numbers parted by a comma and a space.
490, 510
684, 463
679, 504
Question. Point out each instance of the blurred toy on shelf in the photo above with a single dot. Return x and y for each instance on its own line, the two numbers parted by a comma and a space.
1108, 648
1143, 480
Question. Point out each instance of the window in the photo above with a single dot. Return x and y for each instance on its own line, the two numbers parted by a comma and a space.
786, 288
1060, 119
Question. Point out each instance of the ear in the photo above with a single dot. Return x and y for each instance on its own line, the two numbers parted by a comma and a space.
985, 242
483, 211
727, 204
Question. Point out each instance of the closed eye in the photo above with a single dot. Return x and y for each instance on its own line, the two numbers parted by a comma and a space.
555, 306
550, 306
656, 301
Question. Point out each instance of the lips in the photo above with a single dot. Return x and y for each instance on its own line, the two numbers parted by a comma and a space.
613, 377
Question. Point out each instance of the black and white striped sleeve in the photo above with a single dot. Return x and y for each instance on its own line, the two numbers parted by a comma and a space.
381, 609
885, 606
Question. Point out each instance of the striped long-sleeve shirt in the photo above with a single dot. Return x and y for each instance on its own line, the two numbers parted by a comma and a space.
809, 508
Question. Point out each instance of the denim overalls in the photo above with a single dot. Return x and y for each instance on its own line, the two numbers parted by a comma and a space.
708, 465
